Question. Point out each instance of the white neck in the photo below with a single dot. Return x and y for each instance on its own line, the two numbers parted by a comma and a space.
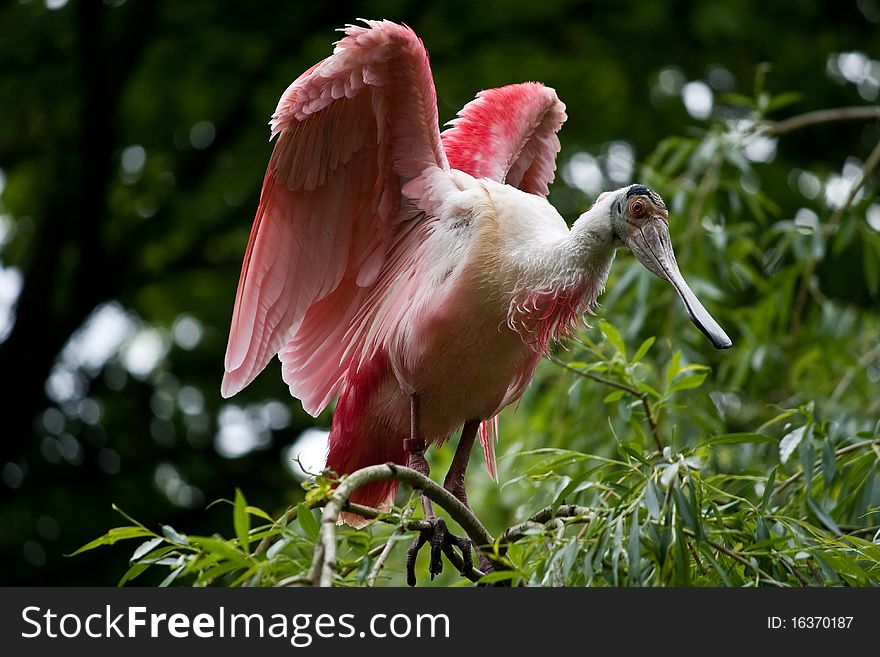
565, 279
588, 249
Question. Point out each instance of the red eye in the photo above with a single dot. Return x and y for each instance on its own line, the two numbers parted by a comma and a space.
637, 207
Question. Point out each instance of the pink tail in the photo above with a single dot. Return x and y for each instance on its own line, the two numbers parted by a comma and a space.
353, 450
358, 440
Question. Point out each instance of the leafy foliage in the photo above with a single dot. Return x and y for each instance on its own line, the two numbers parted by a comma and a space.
636, 518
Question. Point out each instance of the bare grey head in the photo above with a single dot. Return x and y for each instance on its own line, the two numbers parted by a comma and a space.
640, 221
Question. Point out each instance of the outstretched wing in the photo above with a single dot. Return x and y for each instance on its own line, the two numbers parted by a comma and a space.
509, 135
352, 131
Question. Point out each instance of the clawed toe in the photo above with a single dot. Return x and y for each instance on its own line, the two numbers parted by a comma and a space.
441, 540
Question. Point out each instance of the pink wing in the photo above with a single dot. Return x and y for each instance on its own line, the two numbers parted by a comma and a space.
509, 135
352, 131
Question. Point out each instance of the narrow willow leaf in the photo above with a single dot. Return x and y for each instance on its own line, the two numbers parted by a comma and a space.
172, 535
614, 396
652, 503
115, 534
133, 572
829, 462
688, 382
643, 349
807, 455
277, 547
768, 489
172, 576
673, 369
241, 520
307, 522
789, 443
634, 549
737, 438
823, 516
684, 508
146, 547
255, 511
617, 550
682, 559
613, 336
220, 548
499, 576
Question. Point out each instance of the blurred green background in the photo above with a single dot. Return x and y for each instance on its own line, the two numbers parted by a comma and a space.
132, 149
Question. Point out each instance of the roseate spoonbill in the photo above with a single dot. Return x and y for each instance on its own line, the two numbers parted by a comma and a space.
419, 277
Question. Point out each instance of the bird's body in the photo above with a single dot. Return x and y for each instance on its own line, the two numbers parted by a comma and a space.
419, 277
490, 288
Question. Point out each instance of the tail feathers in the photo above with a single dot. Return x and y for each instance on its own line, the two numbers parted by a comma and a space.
352, 450
488, 437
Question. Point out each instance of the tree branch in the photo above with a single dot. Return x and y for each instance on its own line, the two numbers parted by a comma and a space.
777, 128
539, 521
324, 561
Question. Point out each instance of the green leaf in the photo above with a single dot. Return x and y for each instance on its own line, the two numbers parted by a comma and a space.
145, 547
807, 457
221, 549
241, 520
737, 438
768, 489
789, 443
829, 461
688, 382
736, 99
172, 575
498, 576
614, 396
684, 508
115, 534
259, 513
133, 572
652, 502
307, 521
823, 516
682, 559
172, 535
613, 336
643, 349
673, 368
783, 100
634, 550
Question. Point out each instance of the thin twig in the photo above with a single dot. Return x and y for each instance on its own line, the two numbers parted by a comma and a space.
735, 556
851, 373
392, 541
793, 123
828, 229
794, 571
837, 454
538, 521
638, 394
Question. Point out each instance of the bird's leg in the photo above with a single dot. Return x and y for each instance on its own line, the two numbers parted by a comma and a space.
415, 447
454, 481
439, 537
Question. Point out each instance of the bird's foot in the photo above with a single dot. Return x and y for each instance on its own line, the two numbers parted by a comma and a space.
441, 540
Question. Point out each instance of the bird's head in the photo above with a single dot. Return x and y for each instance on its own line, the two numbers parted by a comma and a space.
640, 221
